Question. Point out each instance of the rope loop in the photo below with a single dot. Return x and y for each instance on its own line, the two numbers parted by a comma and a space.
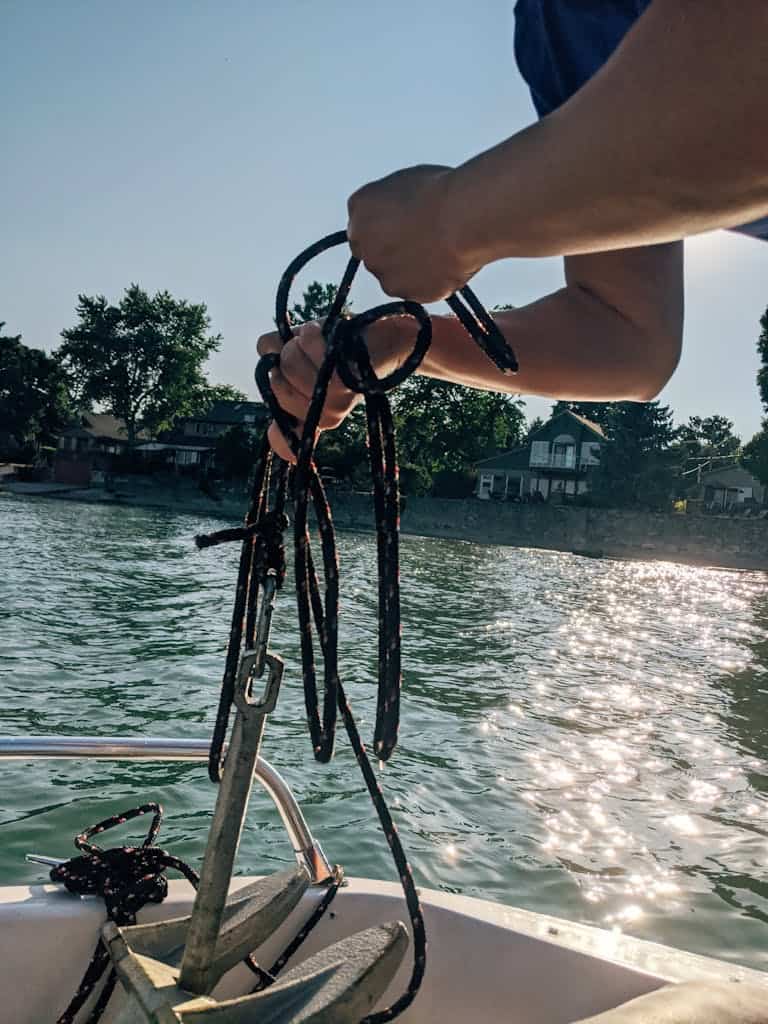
346, 353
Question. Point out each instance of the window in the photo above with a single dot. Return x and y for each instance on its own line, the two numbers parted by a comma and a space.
539, 453
563, 455
486, 485
590, 453
186, 458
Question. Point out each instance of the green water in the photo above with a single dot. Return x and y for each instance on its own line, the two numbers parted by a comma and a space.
586, 738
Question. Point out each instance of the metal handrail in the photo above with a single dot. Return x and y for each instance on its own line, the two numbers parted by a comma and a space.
306, 849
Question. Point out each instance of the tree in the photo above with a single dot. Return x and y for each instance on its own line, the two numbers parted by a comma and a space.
34, 400
443, 426
141, 360
235, 452
343, 453
708, 436
536, 424
205, 397
315, 304
755, 454
762, 350
637, 467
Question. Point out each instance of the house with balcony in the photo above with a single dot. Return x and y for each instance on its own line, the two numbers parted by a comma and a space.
556, 463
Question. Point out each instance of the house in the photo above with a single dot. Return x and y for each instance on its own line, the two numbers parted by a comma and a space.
85, 448
504, 476
192, 441
222, 416
557, 460
731, 489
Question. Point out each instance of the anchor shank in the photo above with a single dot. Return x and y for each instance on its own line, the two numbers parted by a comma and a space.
226, 827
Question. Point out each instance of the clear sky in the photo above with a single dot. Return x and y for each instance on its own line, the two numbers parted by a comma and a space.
198, 146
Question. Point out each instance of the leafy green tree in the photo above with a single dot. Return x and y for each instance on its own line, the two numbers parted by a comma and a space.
141, 360
315, 303
443, 426
755, 453
34, 399
343, 453
536, 424
211, 393
762, 351
235, 452
638, 467
708, 436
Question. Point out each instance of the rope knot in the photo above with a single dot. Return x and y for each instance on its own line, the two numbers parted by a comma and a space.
126, 878
271, 554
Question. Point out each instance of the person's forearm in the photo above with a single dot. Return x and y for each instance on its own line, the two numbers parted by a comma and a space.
670, 138
570, 345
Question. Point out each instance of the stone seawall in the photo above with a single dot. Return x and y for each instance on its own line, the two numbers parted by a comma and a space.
694, 540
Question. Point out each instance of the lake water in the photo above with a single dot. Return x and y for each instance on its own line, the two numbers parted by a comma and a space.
581, 737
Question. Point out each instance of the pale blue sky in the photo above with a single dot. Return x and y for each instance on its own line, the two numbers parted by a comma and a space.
197, 146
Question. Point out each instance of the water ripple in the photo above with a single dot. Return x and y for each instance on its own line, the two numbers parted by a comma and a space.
587, 738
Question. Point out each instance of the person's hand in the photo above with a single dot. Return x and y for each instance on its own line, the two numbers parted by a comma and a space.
293, 381
398, 227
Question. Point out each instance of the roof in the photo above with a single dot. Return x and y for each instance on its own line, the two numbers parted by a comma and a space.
732, 476
516, 458
589, 424
177, 439
161, 446
224, 410
595, 428
100, 425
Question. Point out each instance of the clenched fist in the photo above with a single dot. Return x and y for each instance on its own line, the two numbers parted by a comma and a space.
399, 228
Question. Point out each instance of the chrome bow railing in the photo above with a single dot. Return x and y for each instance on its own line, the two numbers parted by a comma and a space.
306, 849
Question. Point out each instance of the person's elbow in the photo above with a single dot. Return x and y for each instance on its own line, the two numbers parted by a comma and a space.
656, 355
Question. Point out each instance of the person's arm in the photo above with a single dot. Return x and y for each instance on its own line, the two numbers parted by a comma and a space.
613, 332
669, 138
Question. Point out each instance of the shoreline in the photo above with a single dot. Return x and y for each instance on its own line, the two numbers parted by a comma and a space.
702, 541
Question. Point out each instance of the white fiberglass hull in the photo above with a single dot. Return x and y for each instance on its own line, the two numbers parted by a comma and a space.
486, 962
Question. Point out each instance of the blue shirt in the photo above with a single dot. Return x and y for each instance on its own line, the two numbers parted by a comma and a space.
560, 44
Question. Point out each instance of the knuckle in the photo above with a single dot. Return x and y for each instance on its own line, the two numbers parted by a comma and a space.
268, 343
353, 203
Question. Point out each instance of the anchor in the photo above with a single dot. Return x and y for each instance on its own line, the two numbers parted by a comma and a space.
168, 969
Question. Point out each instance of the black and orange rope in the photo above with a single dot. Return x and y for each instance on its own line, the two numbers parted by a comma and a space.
262, 551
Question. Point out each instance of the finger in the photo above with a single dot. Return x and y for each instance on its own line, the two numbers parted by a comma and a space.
279, 444
269, 343
312, 343
298, 369
289, 398
339, 399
